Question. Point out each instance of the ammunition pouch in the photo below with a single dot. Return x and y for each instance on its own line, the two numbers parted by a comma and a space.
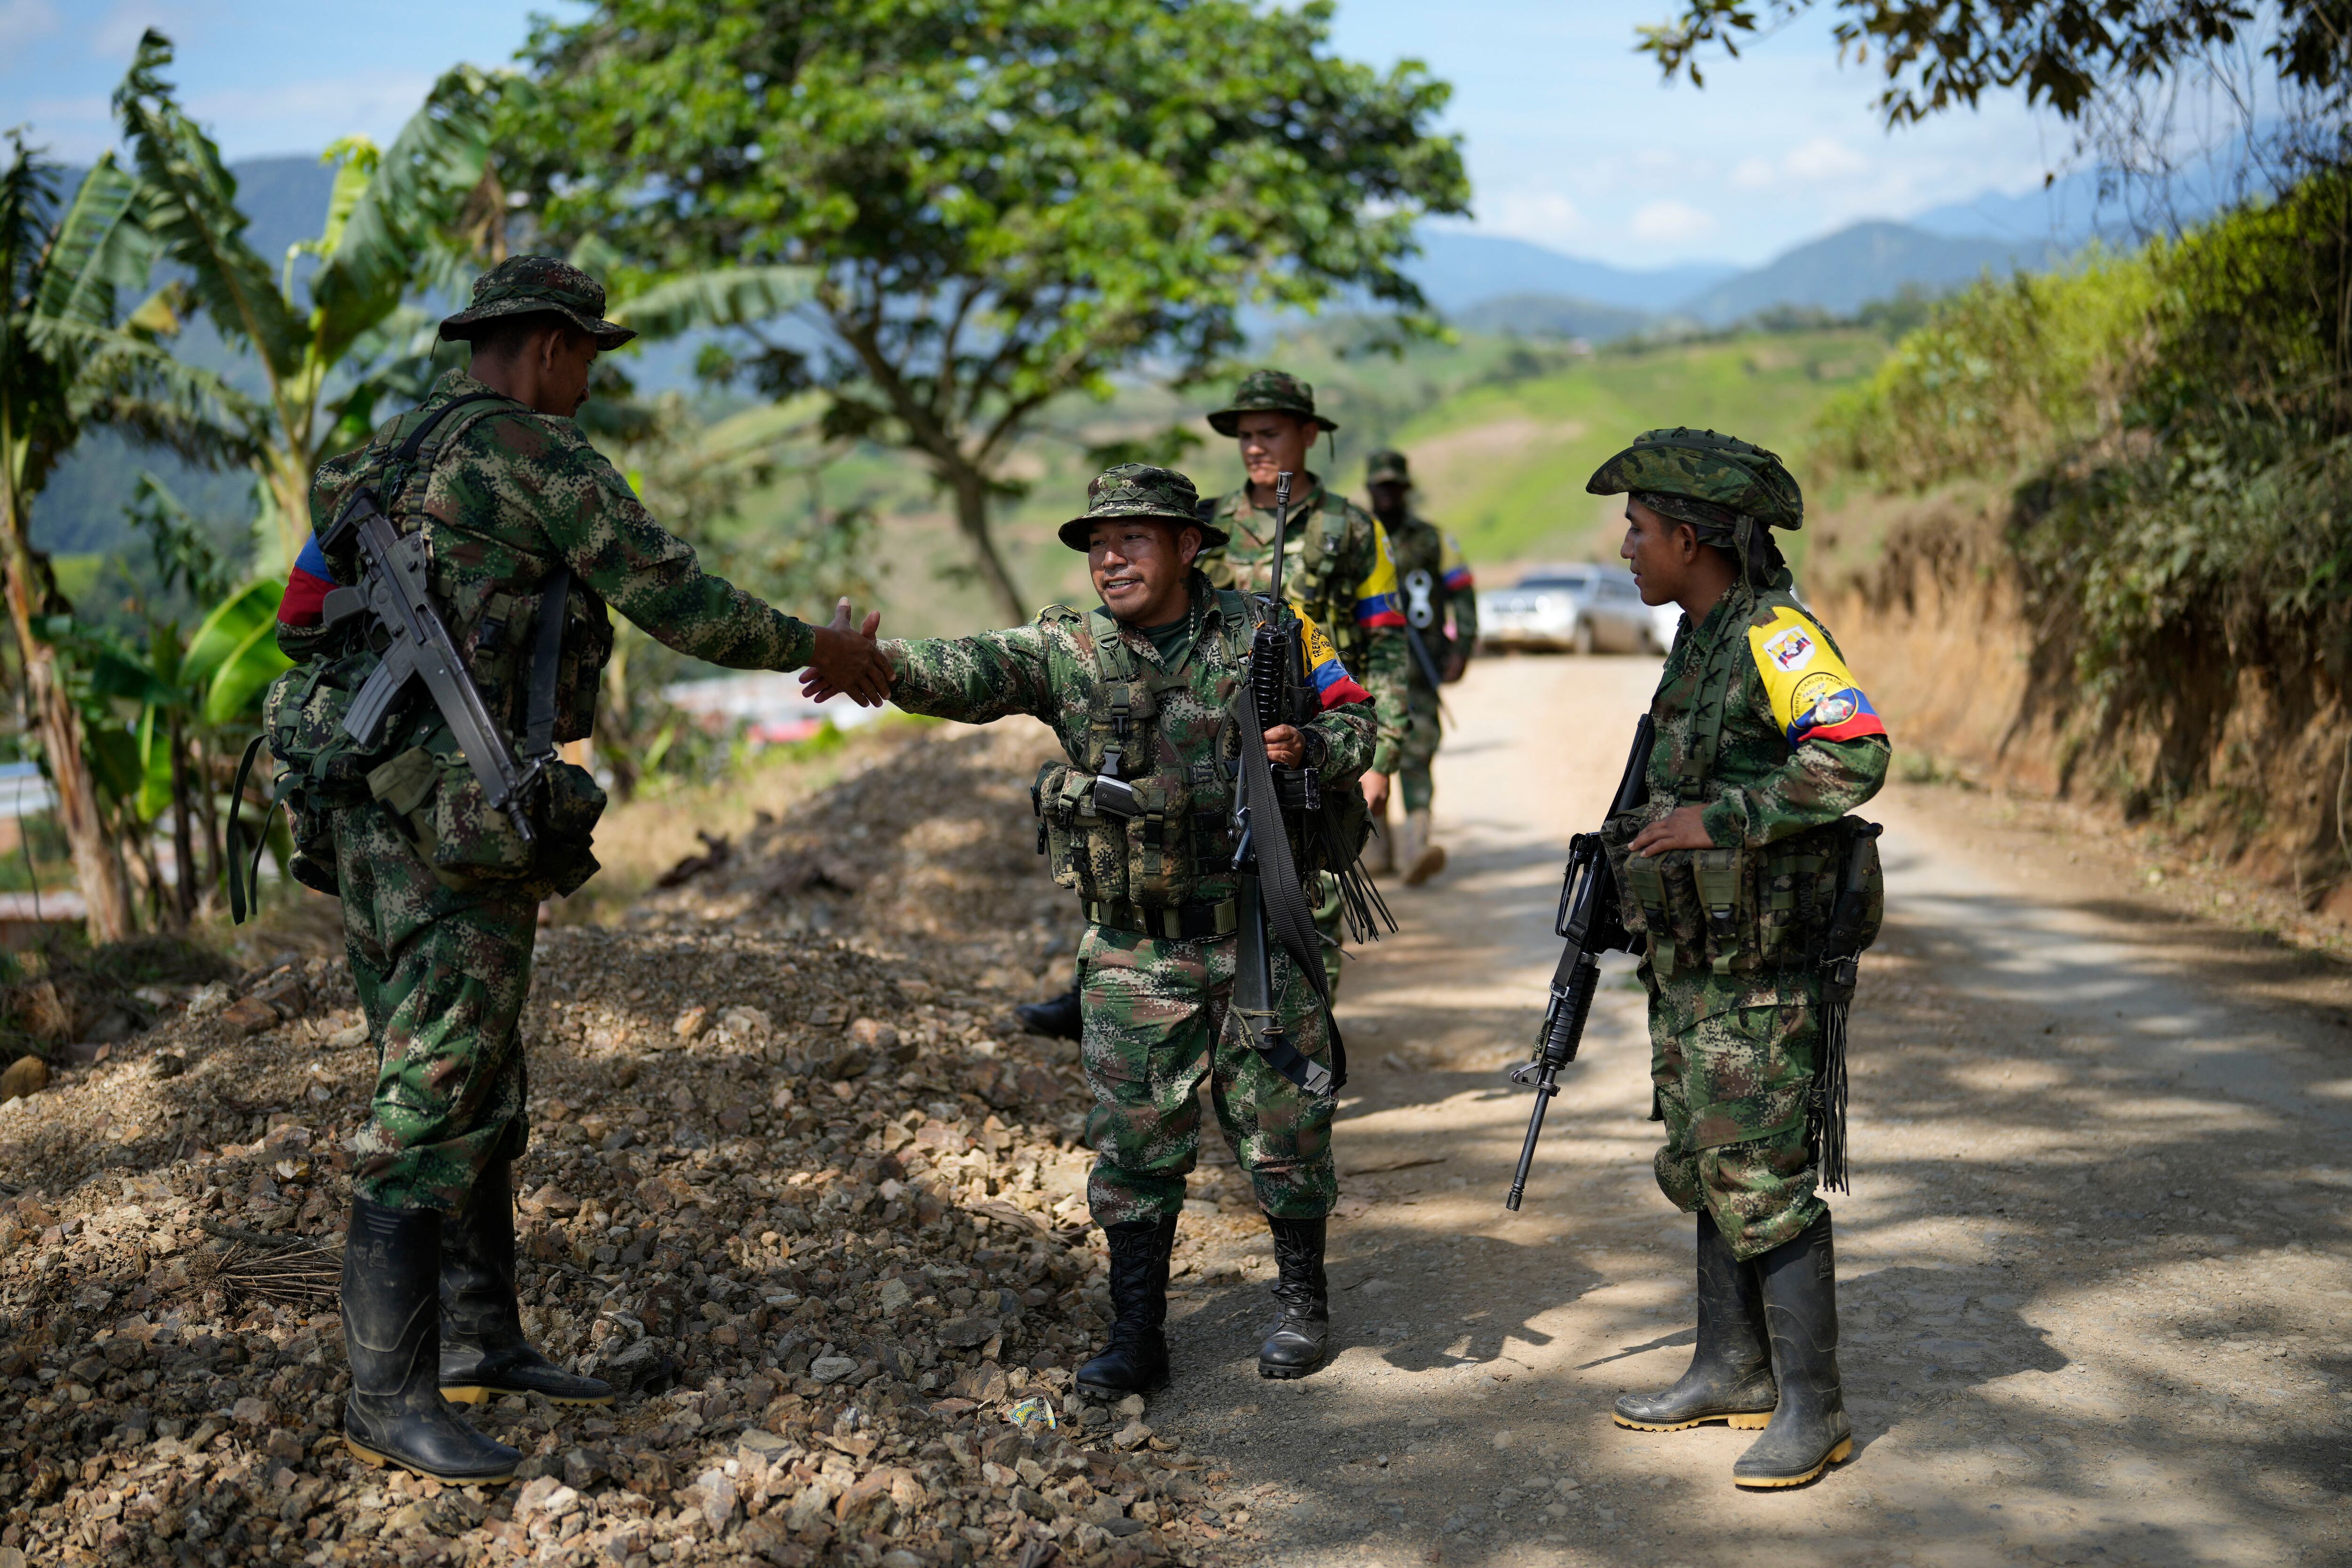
1745, 911
440, 806
1127, 841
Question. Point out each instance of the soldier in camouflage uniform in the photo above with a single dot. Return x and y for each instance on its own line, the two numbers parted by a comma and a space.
1764, 743
1337, 568
519, 519
1142, 694
1441, 616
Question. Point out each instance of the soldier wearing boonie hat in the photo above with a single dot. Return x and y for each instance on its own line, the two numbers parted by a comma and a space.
1338, 569
1137, 821
531, 536
1441, 619
1731, 873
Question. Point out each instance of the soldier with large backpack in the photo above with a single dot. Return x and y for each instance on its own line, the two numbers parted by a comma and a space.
449, 623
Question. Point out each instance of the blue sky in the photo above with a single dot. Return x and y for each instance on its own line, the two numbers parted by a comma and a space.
1572, 141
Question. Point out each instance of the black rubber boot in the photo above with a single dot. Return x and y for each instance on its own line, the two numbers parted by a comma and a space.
1809, 1430
483, 1351
391, 1332
1302, 1336
1136, 1360
1730, 1375
1056, 1017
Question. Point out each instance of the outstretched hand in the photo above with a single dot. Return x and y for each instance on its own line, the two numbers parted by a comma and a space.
848, 659
1685, 828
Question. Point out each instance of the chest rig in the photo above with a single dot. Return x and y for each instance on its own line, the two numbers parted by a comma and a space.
1312, 579
1138, 825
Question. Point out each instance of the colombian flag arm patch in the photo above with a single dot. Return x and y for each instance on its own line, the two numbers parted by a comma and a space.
1378, 601
1334, 687
1453, 568
1814, 696
307, 587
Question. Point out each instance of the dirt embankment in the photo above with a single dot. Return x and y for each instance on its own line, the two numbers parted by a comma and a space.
795, 1183
1943, 633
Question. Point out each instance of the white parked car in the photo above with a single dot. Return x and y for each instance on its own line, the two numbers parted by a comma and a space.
1583, 608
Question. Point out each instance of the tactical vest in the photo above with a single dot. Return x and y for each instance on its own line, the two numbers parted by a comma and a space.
416, 770
1738, 910
1313, 579
1141, 826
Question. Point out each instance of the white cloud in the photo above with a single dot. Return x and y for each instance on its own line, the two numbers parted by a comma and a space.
1825, 158
1671, 223
22, 21
1547, 217
1755, 174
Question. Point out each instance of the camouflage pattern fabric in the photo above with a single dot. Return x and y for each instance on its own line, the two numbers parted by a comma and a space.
1155, 1023
526, 285
1139, 489
1731, 1083
1268, 392
1338, 569
1731, 1054
1705, 467
1438, 589
442, 976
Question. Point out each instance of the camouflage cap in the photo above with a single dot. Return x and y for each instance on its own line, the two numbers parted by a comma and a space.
1268, 392
522, 284
1705, 467
1387, 467
1139, 489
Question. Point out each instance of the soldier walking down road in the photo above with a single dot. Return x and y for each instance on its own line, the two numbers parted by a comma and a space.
426, 793
1736, 879
1146, 694
1440, 630
1338, 569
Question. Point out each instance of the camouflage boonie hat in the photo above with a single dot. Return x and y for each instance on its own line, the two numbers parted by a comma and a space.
1702, 466
522, 284
1268, 392
1387, 467
1139, 489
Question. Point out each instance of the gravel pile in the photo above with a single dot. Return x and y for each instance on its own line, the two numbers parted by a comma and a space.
796, 1183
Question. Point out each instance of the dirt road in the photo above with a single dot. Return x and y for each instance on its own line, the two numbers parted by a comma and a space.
2093, 1271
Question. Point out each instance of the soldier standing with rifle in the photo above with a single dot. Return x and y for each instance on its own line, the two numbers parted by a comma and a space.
449, 624
1438, 593
1179, 818
1728, 863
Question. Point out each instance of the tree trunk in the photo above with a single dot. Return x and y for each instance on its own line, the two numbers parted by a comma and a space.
183, 845
207, 791
971, 517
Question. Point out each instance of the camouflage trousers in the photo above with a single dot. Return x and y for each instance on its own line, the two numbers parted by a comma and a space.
1731, 1084
442, 976
1418, 747
1156, 1023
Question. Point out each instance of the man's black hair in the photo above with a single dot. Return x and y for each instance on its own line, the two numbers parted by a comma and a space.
502, 336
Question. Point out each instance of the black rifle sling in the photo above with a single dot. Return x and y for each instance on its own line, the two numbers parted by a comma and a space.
546, 664
1286, 911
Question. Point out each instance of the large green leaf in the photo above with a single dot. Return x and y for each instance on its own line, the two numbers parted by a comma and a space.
725, 297
155, 737
228, 627
244, 676
99, 250
189, 204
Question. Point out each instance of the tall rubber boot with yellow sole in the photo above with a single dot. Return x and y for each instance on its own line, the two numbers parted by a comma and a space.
1420, 858
391, 1333
1809, 1431
483, 1351
1731, 1374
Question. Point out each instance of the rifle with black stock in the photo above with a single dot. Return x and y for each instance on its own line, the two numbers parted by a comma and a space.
1589, 920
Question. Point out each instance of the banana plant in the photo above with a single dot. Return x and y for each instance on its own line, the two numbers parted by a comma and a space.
70, 362
392, 226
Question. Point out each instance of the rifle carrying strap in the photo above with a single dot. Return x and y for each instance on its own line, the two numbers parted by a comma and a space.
546, 664
1286, 912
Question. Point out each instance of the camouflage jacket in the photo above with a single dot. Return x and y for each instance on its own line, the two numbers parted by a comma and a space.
504, 496
1798, 745
1337, 569
1436, 585
1178, 750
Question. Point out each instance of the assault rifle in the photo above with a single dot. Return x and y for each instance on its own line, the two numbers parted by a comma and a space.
392, 590
1591, 921
1273, 904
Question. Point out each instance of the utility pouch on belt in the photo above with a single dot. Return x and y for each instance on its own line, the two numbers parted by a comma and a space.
1740, 911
